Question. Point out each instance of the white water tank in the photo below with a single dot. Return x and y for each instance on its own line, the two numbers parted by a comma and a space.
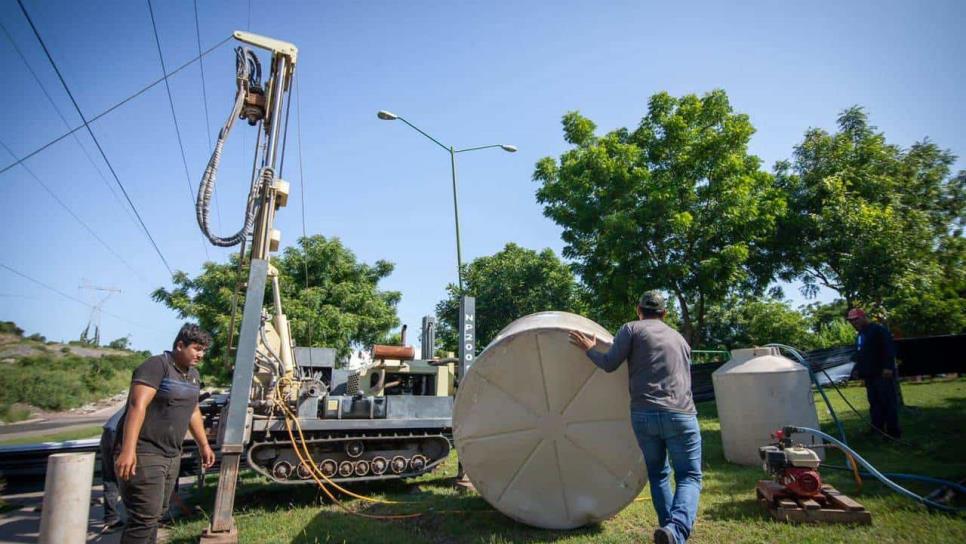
543, 434
758, 392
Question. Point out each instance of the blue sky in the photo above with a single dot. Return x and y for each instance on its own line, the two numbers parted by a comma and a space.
469, 73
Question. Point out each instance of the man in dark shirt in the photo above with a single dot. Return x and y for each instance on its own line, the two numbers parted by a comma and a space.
162, 406
662, 411
112, 520
875, 362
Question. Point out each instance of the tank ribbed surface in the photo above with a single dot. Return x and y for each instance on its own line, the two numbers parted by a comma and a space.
543, 434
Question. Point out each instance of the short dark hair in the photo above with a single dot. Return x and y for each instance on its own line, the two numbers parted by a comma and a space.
192, 334
650, 312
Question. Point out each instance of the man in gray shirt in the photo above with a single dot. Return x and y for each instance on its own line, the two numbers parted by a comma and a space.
662, 411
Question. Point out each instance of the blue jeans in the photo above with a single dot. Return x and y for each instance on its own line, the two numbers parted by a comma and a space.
661, 434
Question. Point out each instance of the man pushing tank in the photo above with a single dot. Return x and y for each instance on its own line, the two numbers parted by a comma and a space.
662, 411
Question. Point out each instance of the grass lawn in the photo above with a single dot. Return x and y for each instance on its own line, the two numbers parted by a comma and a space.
728, 511
92, 431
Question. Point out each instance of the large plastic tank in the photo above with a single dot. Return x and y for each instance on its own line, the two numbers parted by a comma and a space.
758, 392
543, 434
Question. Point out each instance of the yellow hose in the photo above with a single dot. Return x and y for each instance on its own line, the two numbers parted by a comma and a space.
328, 493
290, 418
311, 461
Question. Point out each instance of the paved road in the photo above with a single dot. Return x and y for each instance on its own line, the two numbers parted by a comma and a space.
65, 422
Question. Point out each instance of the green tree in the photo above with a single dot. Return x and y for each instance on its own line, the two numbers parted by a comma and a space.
509, 284
745, 322
875, 223
9, 327
330, 299
677, 204
123, 342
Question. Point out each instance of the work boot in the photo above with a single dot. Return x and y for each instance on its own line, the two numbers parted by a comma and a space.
664, 536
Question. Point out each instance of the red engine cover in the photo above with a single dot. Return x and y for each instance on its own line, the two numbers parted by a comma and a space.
803, 482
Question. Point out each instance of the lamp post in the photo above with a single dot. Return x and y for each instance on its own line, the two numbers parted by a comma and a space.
389, 116
467, 319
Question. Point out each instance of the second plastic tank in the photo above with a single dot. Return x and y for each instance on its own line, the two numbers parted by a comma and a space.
757, 393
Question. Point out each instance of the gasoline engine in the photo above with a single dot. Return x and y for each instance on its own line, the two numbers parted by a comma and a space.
793, 466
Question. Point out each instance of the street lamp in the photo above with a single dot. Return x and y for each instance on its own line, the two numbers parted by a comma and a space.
389, 116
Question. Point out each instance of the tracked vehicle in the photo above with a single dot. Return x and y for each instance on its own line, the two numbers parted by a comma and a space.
380, 418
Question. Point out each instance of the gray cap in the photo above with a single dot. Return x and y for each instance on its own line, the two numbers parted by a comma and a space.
652, 300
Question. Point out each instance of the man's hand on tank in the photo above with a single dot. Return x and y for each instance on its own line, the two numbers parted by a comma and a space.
207, 456
125, 465
582, 340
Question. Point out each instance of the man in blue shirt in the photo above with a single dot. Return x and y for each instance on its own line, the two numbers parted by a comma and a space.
875, 362
662, 411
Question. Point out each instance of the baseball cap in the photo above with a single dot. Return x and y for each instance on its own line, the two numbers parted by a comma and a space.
855, 313
652, 300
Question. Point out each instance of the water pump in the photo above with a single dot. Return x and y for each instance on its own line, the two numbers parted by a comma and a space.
793, 466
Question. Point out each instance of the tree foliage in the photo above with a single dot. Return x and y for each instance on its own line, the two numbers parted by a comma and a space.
677, 204
739, 323
509, 284
330, 298
880, 225
123, 342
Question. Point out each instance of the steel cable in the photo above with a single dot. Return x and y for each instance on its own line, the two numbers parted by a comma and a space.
174, 116
143, 90
90, 131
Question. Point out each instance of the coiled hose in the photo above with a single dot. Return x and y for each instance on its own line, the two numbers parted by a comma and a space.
882, 477
248, 74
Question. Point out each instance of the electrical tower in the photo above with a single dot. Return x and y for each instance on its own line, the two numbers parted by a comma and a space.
99, 296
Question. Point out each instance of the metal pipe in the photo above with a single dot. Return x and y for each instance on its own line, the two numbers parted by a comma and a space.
278, 89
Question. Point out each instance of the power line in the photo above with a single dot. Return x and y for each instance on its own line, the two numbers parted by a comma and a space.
74, 215
298, 125
63, 118
93, 137
115, 106
174, 117
305, 237
69, 297
204, 98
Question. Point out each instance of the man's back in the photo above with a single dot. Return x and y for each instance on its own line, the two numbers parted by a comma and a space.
659, 364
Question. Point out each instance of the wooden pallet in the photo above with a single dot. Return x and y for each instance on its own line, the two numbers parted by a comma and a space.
831, 507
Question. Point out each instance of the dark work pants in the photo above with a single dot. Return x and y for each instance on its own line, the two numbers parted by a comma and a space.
146, 496
884, 405
109, 478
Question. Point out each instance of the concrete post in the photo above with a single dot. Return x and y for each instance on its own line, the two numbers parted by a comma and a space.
67, 498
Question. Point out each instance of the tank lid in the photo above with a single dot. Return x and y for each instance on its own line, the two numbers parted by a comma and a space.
758, 360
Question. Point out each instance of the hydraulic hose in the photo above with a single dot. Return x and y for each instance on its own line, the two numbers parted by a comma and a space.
878, 475
913, 477
248, 72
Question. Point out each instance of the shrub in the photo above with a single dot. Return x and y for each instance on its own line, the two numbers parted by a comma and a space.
9, 327
68, 382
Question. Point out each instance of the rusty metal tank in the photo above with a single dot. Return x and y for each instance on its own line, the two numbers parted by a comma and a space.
543, 434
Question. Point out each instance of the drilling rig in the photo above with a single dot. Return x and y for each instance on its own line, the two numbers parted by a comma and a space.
293, 414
